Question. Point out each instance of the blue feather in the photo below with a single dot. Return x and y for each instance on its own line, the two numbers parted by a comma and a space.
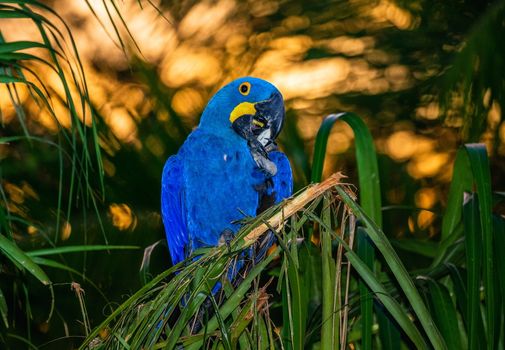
213, 181
283, 180
172, 210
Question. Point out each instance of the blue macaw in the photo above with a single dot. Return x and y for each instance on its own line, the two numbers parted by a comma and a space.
229, 167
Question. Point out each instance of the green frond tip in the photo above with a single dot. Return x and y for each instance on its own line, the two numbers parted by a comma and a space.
22, 260
176, 309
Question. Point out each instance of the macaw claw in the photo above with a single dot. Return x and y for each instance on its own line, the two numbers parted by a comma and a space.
226, 237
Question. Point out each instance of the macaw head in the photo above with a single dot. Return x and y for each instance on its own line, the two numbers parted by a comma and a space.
249, 107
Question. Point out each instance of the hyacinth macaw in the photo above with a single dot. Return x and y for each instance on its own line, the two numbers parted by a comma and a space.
228, 168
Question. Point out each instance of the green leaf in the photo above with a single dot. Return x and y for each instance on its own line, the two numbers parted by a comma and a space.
473, 242
390, 337
4, 309
12, 14
445, 314
458, 277
330, 304
19, 45
242, 320
363, 246
142, 291
499, 225
402, 276
477, 155
364, 272
499, 232
461, 182
13, 253
299, 299
389, 302
370, 201
232, 302
78, 249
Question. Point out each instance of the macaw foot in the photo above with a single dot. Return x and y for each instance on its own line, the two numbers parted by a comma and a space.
226, 237
204, 313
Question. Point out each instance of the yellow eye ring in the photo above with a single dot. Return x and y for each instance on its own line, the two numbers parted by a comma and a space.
244, 88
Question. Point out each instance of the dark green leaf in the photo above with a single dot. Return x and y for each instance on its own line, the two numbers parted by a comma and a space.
444, 314
13, 253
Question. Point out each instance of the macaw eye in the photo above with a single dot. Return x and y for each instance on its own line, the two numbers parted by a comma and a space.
244, 88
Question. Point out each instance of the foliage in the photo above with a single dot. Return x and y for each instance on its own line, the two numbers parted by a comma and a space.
163, 314
78, 197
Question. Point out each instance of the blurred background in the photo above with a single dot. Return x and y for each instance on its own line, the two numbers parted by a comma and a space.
426, 76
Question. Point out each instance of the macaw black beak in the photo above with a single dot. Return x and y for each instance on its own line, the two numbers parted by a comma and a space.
260, 123
272, 112
265, 124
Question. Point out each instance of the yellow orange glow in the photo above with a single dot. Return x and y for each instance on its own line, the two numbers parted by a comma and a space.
188, 102
187, 65
6, 104
430, 111
121, 124
399, 17
292, 45
314, 78
426, 197
307, 126
405, 144
494, 115
401, 145
338, 142
14, 192
410, 223
205, 18
66, 231
425, 219
427, 164
122, 216
349, 46
501, 132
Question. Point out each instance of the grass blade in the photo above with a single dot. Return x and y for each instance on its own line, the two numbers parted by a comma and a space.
13, 253
232, 302
19, 45
78, 249
444, 312
473, 262
458, 277
402, 276
329, 335
366, 300
370, 201
499, 231
461, 182
4, 309
477, 155
299, 298
387, 300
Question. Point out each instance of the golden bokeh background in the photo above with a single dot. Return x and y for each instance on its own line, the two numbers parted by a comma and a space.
157, 69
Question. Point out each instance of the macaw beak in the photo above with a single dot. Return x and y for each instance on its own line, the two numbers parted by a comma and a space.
259, 123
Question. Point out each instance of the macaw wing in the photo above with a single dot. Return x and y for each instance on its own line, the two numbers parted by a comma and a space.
172, 209
283, 179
